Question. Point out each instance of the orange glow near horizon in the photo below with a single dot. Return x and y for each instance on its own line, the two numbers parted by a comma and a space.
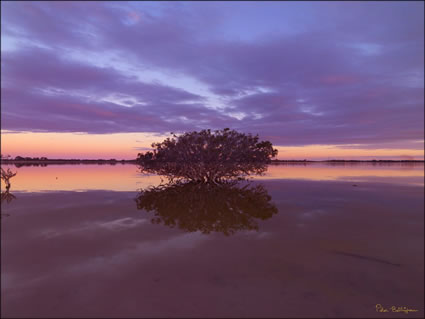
127, 177
324, 152
77, 145
126, 146
81, 177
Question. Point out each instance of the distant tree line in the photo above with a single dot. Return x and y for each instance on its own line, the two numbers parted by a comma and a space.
20, 158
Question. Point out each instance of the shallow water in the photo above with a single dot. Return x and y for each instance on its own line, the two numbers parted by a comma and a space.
311, 240
127, 177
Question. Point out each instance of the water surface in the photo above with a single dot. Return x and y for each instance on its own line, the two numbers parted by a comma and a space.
312, 240
127, 177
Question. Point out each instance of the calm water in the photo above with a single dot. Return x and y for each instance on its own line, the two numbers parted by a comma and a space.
310, 240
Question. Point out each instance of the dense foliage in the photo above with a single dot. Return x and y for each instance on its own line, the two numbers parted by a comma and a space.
208, 156
207, 207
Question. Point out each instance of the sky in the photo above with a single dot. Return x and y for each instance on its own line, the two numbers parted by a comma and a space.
320, 80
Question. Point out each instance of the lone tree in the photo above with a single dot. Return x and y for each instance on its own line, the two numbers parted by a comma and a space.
208, 156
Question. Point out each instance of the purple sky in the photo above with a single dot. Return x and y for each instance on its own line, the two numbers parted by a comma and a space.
297, 73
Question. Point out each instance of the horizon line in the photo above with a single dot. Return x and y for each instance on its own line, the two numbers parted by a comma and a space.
45, 159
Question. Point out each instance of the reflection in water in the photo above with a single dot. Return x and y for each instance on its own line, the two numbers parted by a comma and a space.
7, 197
332, 251
226, 207
127, 177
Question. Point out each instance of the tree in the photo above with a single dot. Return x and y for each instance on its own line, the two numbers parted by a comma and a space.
208, 156
6, 175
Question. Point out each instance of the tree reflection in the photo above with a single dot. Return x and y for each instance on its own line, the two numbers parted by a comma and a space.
6, 197
226, 207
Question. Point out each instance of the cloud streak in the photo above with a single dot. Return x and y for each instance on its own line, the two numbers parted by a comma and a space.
352, 73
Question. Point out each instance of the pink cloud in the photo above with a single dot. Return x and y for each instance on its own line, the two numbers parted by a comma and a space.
353, 97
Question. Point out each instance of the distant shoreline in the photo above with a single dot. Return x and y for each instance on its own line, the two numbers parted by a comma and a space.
45, 162
65, 161
349, 161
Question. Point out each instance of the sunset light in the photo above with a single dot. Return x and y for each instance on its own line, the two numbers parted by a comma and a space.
212, 159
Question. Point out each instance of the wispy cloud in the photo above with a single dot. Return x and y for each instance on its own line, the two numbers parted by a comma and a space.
350, 73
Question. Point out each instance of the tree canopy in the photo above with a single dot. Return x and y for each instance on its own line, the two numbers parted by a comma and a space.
208, 156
